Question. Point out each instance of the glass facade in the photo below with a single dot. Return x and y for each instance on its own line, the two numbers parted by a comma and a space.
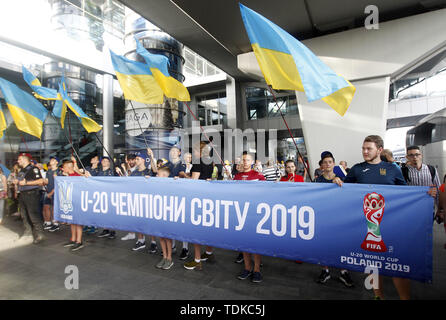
432, 131
89, 20
212, 109
420, 87
196, 66
92, 24
82, 88
261, 104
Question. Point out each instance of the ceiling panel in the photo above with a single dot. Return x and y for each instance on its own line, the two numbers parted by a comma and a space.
214, 28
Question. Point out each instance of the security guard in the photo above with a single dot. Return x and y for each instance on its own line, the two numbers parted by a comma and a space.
29, 181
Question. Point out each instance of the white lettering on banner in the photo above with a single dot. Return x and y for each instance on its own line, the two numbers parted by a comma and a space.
180, 210
192, 211
280, 216
114, 201
241, 217
276, 220
122, 203
133, 203
374, 261
208, 217
158, 207
226, 204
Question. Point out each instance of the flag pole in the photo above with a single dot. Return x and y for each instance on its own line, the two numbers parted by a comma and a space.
206, 136
103, 147
71, 145
291, 135
69, 130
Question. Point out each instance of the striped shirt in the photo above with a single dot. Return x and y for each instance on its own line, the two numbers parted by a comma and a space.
423, 177
270, 174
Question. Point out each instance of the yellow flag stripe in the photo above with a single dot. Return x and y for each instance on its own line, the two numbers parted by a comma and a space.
171, 87
341, 99
36, 82
278, 68
2, 123
90, 125
26, 122
141, 88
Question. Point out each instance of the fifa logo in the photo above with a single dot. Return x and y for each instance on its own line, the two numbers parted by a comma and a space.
373, 210
66, 197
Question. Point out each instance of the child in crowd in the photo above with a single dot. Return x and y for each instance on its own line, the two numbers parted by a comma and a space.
166, 244
70, 169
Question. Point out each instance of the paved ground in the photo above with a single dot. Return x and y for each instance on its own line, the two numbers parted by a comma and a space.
108, 269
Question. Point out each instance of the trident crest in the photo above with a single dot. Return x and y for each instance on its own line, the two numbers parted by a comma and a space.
373, 211
66, 197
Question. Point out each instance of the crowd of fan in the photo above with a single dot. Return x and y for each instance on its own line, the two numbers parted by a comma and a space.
29, 191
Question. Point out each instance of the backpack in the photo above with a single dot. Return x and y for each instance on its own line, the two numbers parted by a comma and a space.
405, 171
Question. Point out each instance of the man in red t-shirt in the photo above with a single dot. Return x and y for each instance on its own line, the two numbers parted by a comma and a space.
247, 173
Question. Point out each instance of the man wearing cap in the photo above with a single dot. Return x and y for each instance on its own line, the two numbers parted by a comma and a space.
29, 180
338, 170
327, 163
106, 171
50, 224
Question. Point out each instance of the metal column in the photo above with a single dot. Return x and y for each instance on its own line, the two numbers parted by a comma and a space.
107, 100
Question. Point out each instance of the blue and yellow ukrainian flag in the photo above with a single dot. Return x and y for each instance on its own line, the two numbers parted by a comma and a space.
60, 110
3, 125
158, 63
287, 64
136, 80
28, 113
39, 91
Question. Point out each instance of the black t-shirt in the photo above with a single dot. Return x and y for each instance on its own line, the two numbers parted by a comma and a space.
205, 170
30, 173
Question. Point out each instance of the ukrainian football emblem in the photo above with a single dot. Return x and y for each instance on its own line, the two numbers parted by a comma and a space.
373, 211
66, 197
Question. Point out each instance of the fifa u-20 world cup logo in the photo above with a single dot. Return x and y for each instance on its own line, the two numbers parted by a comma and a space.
373, 211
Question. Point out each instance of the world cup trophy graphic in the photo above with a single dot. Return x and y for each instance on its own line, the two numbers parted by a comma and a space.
373, 210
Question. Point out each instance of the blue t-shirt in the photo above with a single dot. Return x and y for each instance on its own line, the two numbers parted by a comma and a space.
142, 173
94, 172
176, 168
322, 179
381, 173
50, 176
106, 173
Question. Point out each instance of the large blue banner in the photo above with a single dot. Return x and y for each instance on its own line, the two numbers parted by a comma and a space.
352, 227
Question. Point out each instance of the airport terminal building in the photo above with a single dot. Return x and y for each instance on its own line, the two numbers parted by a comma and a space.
398, 83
